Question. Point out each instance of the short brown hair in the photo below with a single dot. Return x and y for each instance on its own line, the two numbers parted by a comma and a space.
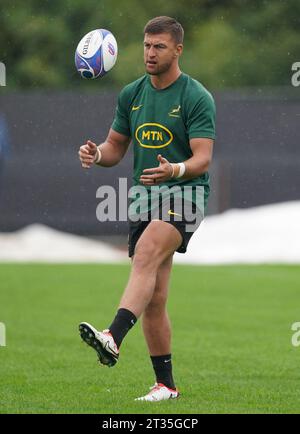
165, 25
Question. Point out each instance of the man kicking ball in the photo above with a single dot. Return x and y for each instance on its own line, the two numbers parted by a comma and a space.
170, 119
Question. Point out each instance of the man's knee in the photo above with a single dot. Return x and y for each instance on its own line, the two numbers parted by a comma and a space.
147, 254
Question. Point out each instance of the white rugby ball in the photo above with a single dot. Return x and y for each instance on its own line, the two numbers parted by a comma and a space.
96, 53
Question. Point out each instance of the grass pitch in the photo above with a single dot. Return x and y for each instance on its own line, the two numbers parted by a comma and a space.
232, 350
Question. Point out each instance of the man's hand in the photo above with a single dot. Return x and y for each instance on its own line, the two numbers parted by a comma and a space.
87, 154
158, 174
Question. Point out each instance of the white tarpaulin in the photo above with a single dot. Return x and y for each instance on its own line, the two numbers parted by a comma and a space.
38, 243
265, 234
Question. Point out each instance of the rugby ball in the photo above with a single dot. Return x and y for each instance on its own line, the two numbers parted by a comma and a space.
96, 53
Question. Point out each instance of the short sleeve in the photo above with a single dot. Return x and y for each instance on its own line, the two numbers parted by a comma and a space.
121, 120
201, 119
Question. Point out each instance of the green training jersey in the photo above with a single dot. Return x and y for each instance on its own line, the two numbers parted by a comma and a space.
161, 121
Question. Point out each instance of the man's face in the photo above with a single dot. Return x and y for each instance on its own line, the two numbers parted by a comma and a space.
160, 51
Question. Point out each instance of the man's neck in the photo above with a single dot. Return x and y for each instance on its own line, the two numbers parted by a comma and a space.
161, 81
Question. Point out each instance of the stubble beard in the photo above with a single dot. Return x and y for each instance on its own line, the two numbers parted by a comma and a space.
160, 70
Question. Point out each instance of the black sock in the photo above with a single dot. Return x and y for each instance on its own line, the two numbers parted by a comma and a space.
121, 325
162, 366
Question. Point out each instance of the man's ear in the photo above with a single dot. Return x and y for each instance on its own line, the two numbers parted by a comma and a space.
179, 49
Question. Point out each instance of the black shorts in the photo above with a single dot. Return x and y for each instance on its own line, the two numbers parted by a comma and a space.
186, 222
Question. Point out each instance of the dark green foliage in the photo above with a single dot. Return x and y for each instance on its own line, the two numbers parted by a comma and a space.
228, 43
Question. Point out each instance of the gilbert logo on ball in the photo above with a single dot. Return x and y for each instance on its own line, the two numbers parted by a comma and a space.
96, 53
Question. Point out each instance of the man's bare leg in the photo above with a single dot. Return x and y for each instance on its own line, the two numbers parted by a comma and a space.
156, 323
157, 243
157, 330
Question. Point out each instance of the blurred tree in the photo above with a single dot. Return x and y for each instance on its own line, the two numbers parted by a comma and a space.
228, 43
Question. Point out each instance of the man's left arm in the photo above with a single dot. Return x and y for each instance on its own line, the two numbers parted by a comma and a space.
198, 164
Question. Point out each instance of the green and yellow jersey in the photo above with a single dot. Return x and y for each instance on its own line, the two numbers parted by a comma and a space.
162, 121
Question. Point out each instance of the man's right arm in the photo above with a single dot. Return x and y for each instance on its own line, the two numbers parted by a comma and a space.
108, 154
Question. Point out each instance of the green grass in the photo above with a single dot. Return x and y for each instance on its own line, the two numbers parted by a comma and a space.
232, 349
